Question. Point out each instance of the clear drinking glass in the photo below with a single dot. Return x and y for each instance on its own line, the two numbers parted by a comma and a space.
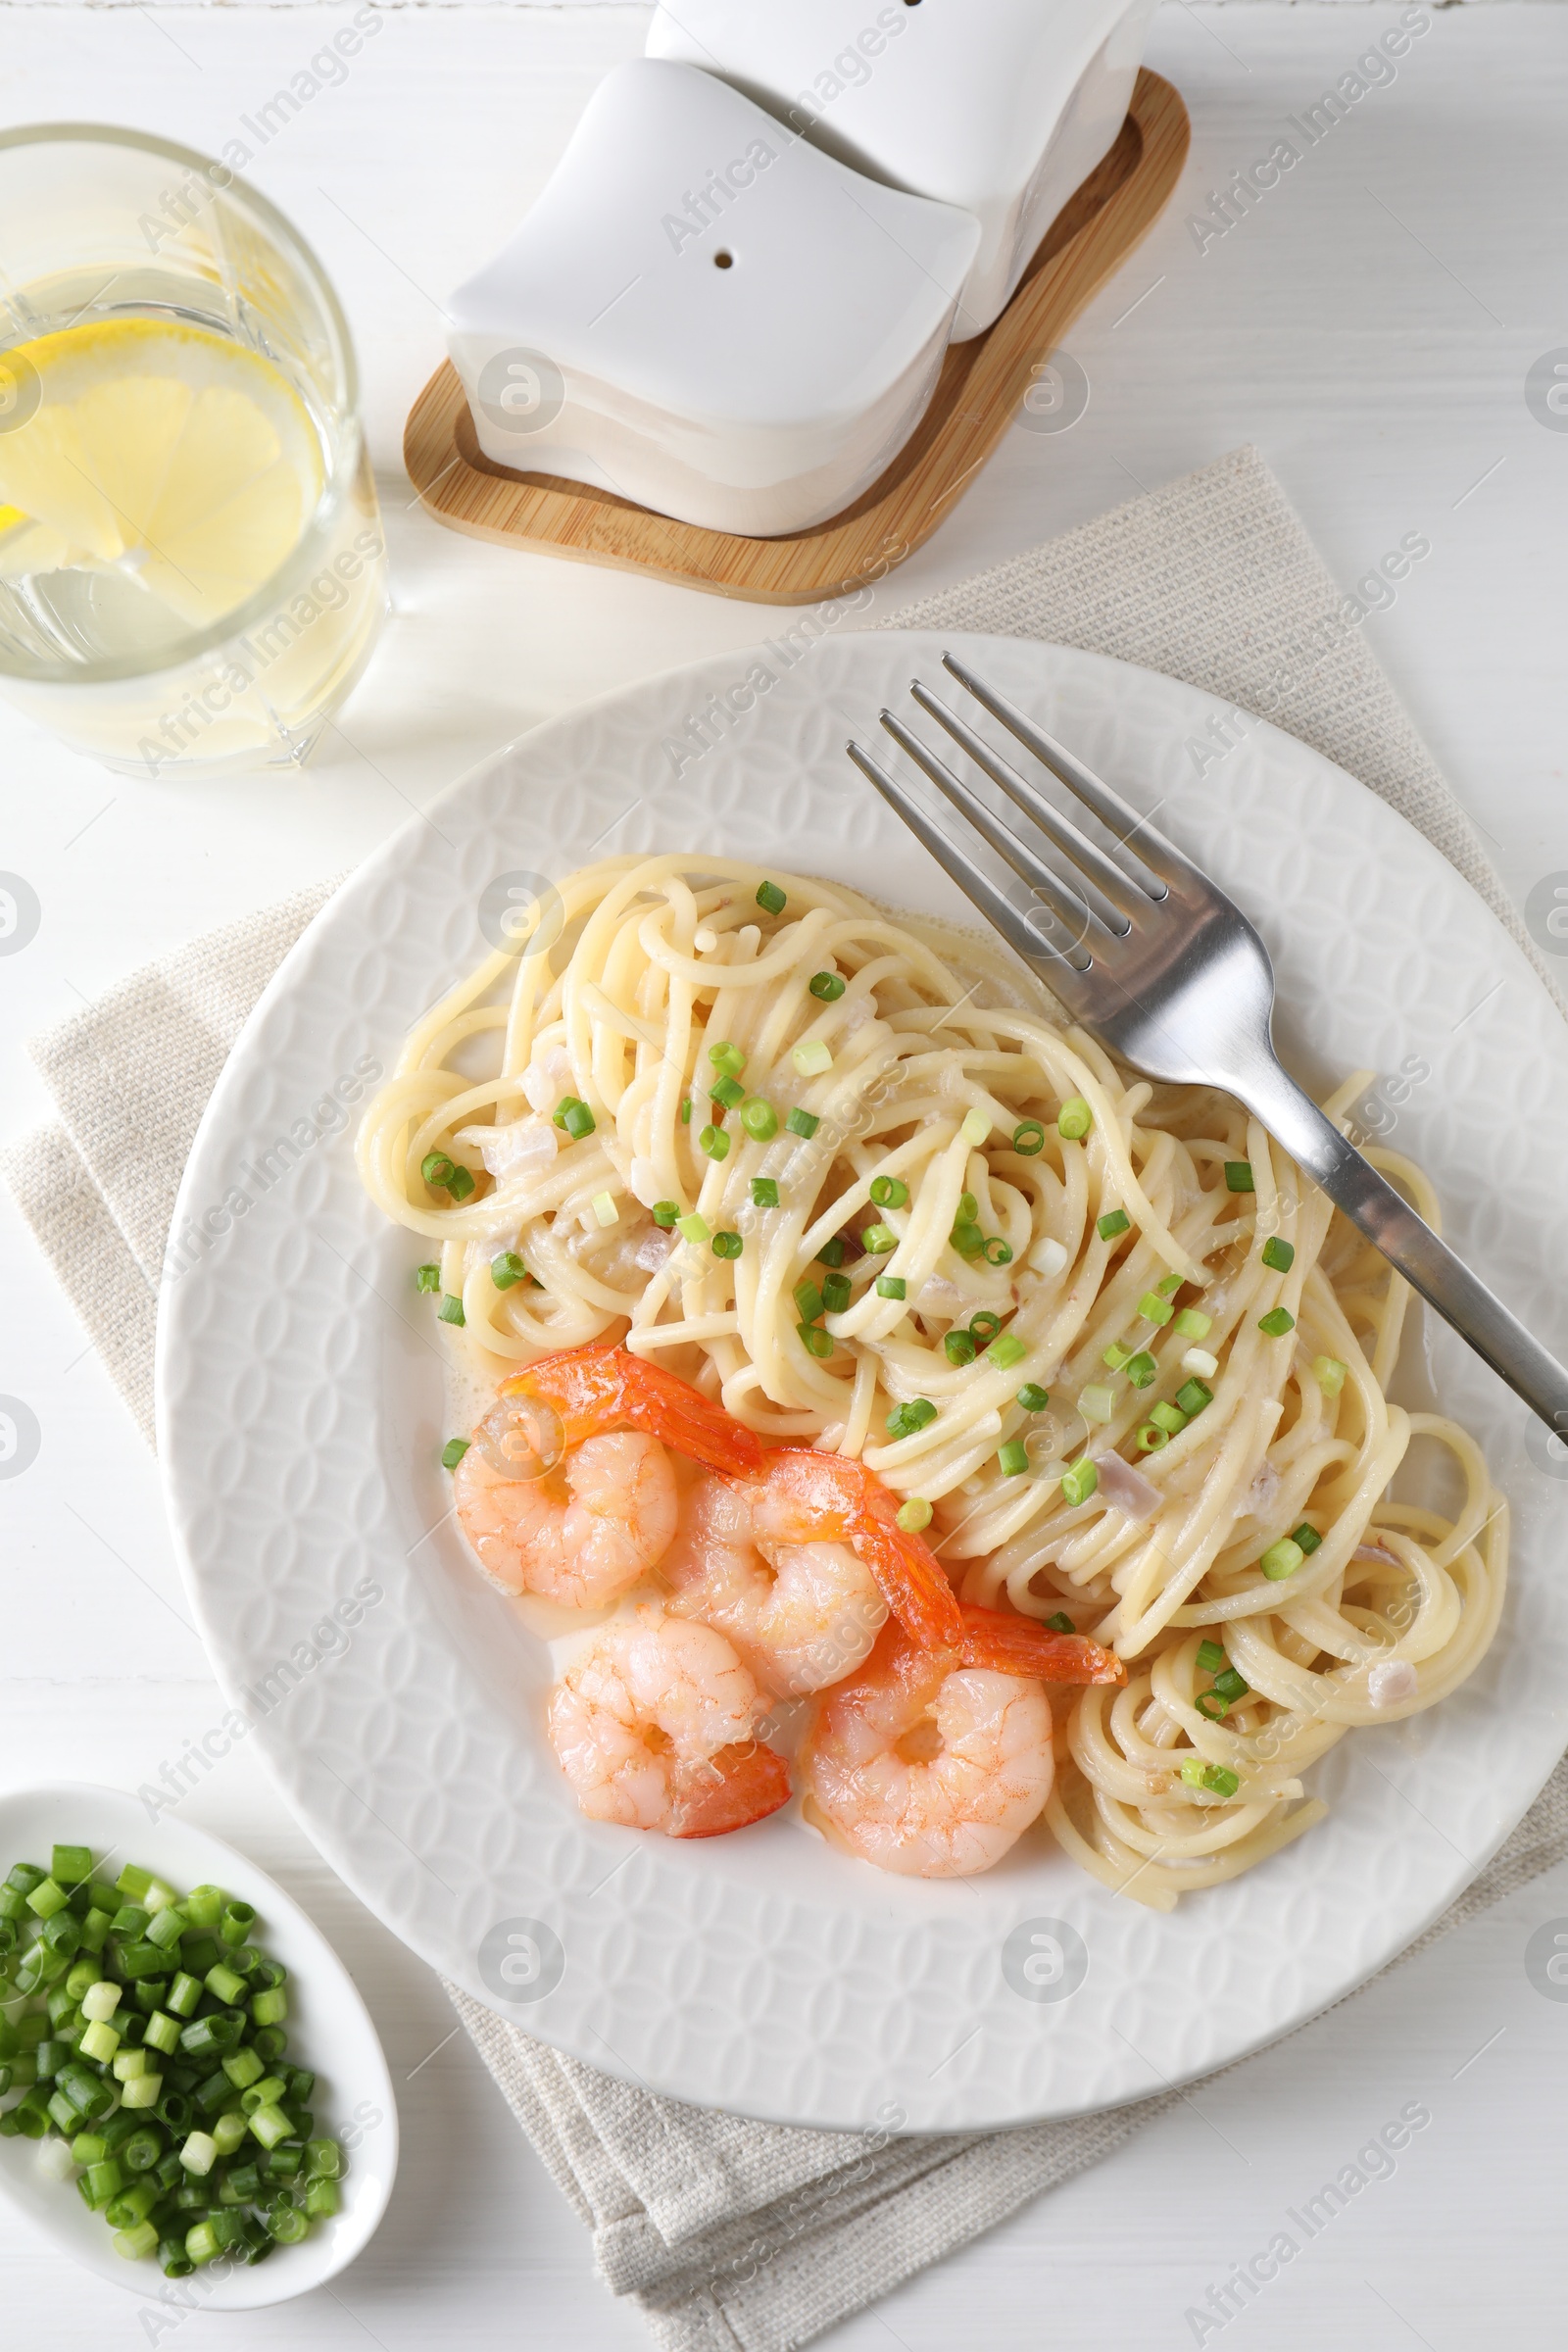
222, 639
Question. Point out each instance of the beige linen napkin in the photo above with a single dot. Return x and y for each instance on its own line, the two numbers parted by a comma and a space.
732, 2236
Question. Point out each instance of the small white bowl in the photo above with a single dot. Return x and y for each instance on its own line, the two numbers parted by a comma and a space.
329, 2030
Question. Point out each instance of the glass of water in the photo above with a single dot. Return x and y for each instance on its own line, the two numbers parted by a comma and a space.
192, 567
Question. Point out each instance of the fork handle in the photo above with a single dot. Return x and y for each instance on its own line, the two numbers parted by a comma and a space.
1392, 1225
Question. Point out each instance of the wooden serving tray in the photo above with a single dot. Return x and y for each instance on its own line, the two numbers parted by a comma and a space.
979, 387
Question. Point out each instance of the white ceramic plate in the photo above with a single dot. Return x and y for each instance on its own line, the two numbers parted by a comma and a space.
300, 1405
329, 2030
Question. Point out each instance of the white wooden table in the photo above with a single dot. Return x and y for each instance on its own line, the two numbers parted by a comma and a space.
1371, 326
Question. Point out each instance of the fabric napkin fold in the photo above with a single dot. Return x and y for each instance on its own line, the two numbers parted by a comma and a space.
732, 2236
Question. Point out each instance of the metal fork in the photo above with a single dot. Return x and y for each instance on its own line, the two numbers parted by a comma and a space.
1158, 964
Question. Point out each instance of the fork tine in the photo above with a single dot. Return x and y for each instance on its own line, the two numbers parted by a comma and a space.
1070, 910
1020, 934
1121, 890
1162, 856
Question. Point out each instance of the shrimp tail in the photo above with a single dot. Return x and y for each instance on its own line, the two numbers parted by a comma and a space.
729, 1790
1021, 1645
593, 1389
909, 1575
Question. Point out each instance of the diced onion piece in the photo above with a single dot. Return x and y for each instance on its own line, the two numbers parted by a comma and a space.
1392, 1682
1133, 1495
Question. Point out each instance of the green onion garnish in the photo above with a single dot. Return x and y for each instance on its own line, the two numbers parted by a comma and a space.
665, 1214
450, 1311
1169, 1417
1151, 1437
728, 1090
507, 1269
890, 1192
1004, 1350
1029, 1138
1169, 1286
1239, 1176
1281, 1255
877, 1239
1212, 1705
1282, 1560
827, 986
1060, 1623
1211, 1657
1074, 1119
1229, 1684
771, 897
1033, 1398
996, 1251
714, 1142
959, 1347
1079, 1481
1305, 1537
1114, 1221
760, 1119
906, 1419
891, 1286
808, 1299
576, 1116
1141, 1368
428, 1278
967, 1239
984, 1326
1012, 1458
1216, 1778
811, 1057
686, 1110
803, 1122
435, 1168
915, 1514
814, 1339
836, 1292
764, 1192
1193, 1396
974, 1127
726, 1058
1329, 1373
1193, 1325
1098, 1403
694, 1228
1115, 1355
1154, 1308
831, 1252
727, 1244
967, 1210
1277, 1322
453, 1451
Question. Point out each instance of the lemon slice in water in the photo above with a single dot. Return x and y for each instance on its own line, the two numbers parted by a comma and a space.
165, 453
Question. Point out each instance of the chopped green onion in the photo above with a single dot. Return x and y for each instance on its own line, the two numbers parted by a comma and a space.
48, 1898
1114, 1221
1216, 1778
694, 1228
984, 1326
809, 1300
133, 1881
714, 1142
1305, 1537
958, 1347
1277, 1322
1012, 1458
1004, 1350
975, 1127
967, 1210
1282, 1560
1154, 1308
998, 1253
1193, 1325
727, 1244
269, 2008
1141, 1369
811, 1057
1033, 1398
1281, 1255
1193, 1396
100, 2041
890, 1192
1079, 1481
891, 1286
1029, 1138
1212, 1705
760, 1119
803, 1122
827, 987
686, 1110
1239, 1176
967, 1239
906, 1419
70, 1865
915, 1514
831, 1252
1097, 1403
1060, 1623
1230, 1685
1115, 1355
1169, 1286
726, 1058
575, 1117
728, 1090
765, 1191
100, 2001
435, 1167
1074, 1119
877, 1239
771, 897
450, 1311
814, 1339
1211, 1657
1169, 1417
665, 1214
507, 1269
1329, 1373
199, 2154
836, 1292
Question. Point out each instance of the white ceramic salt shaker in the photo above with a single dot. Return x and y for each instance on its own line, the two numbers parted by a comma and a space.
1003, 107
703, 313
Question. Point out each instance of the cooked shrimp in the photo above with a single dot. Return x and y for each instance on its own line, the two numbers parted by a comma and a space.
814, 1498
590, 1390
654, 1729
933, 1762
799, 1615
578, 1532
